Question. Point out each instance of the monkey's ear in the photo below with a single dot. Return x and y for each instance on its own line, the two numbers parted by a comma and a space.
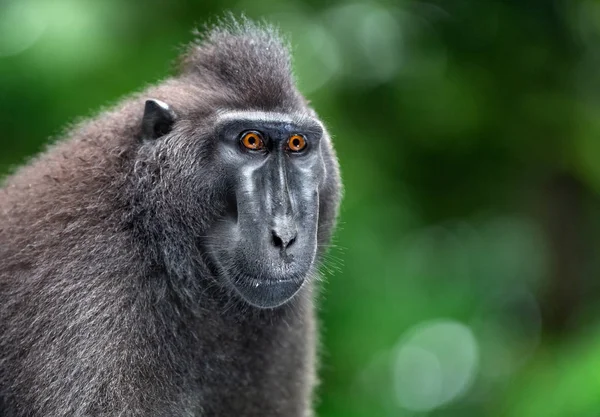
158, 119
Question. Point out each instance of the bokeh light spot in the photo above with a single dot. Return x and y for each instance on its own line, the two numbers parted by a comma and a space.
370, 40
21, 26
435, 364
316, 57
418, 378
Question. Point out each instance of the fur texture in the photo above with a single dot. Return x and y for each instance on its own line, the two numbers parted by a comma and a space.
107, 305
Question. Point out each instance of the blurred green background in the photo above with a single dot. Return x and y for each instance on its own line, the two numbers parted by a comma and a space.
464, 280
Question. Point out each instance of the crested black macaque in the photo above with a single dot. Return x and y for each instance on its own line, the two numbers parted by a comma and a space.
160, 260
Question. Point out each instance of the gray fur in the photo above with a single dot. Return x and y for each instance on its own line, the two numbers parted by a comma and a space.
107, 304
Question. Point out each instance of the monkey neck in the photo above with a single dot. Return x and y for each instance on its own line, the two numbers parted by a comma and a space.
224, 304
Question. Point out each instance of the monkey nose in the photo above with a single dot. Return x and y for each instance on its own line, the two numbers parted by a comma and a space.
283, 236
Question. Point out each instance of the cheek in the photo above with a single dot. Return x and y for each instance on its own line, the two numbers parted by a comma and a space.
198, 183
223, 243
306, 186
308, 202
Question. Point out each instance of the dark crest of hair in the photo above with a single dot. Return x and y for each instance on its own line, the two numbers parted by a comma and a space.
249, 60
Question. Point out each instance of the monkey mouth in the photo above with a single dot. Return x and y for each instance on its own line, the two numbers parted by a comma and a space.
267, 293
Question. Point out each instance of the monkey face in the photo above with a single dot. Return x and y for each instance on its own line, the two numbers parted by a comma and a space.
256, 192
266, 244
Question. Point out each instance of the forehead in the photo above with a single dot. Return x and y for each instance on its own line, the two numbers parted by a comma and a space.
264, 118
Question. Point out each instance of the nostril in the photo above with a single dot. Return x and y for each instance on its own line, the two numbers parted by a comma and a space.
291, 242
277, 242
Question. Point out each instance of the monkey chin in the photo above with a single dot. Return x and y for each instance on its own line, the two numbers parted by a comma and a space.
267, 293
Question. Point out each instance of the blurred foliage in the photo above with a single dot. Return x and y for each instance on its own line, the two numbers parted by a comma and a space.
463, 281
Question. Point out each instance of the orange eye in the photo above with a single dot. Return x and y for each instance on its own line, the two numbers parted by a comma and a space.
296, 143
253, 141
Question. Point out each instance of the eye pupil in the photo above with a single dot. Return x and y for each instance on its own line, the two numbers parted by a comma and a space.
296, 143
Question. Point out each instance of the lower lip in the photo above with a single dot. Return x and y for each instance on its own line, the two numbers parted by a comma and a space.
257, 282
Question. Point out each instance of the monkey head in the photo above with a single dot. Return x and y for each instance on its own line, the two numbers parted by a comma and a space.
247, 174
